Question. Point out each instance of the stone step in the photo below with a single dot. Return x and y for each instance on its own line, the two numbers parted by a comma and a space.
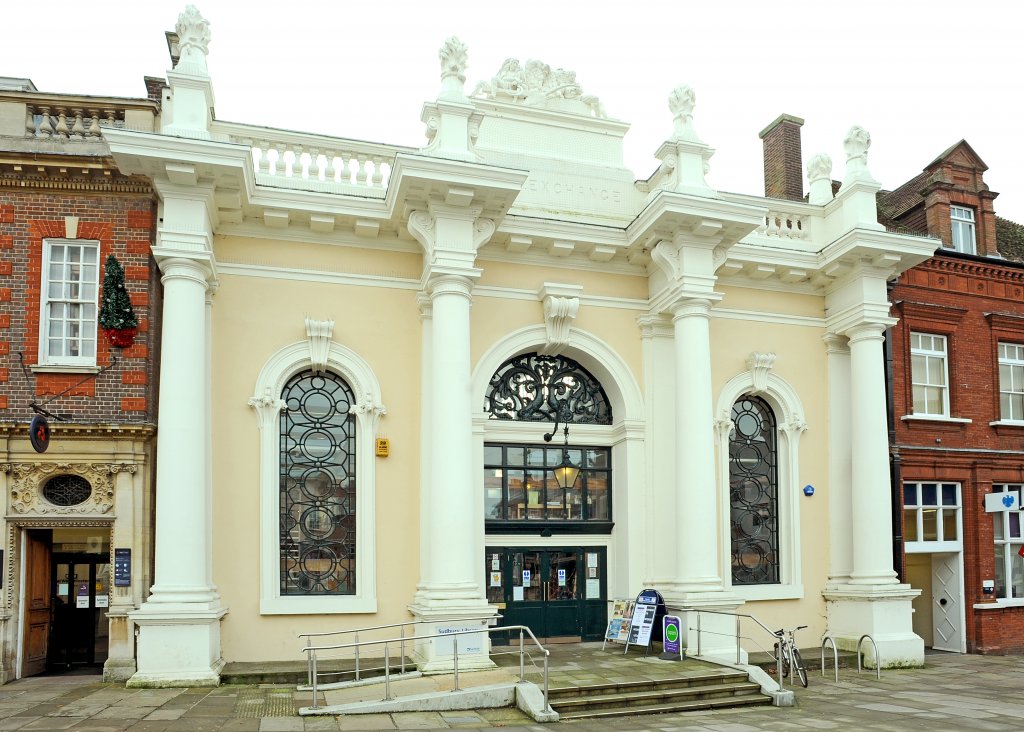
657, 697
689, 706
623, 687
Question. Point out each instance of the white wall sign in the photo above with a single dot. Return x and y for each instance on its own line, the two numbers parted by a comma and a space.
468, 642
1006, 501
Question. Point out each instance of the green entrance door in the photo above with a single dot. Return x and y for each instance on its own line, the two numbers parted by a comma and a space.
558, 592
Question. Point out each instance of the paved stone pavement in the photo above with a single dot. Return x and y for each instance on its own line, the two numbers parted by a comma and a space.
952, 692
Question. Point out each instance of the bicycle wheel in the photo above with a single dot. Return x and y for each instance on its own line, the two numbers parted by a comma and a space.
799, 670
782, 659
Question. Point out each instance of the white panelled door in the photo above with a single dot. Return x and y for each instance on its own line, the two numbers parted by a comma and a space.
947, 603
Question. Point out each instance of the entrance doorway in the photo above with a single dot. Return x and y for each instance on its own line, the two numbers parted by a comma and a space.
939, 609
67, 594
558, 592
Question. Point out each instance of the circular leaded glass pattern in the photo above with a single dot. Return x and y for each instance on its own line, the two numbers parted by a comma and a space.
318, 486
67, 490
754, 493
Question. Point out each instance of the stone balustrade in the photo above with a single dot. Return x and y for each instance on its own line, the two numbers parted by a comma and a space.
794, 221
295, 160
69, 117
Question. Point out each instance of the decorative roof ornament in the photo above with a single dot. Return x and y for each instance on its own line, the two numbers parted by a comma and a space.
454, 56
856, 145
538, 85
681, 103
819, 174
193, 41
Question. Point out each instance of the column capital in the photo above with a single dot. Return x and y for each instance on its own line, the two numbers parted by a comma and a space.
868, 331
452, 282
836, 343
654, 325
687, 306
185, 268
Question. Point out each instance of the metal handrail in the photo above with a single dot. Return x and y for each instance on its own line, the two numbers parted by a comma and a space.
401, 626
878, 658
835, 655
738, 616
523, 631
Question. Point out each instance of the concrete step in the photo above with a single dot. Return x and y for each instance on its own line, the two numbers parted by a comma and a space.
698, 691
690, 706
625, 687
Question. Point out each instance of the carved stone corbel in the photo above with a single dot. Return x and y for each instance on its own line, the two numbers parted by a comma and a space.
319, 333
760, 365
368, 406
561, 305
666, 255
267, 406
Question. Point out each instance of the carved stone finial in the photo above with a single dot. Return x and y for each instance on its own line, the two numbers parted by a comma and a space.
819, 174
538, 85
856, 144
681, 103
319, 333
453, 55
193, 41
760, 364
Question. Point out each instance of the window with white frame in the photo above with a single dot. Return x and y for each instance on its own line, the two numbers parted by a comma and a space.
68, 296
962, 219
931, 513
928, 373
1008, 542
1011, 382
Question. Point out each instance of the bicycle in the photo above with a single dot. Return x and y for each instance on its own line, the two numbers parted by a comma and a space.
787, 655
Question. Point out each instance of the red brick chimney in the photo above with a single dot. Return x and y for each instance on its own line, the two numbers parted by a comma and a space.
783, 164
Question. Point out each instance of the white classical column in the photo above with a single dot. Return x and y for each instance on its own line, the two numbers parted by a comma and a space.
872, 507
454, 571
181, 538
840, 464
179, 633
696, 508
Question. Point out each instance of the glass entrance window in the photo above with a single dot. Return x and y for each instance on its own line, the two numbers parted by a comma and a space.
520, 486
561, 584
526, 577
1009, 565
931, 513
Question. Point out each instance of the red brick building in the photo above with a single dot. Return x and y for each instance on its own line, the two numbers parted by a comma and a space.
64, 207
957, 399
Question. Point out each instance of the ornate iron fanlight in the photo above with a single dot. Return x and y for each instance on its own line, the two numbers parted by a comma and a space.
535, 388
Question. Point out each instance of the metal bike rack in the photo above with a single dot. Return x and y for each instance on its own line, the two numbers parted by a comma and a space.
878, 659
835, 655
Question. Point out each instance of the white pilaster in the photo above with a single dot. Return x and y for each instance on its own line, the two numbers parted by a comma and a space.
840, 459
179, 638
120, 663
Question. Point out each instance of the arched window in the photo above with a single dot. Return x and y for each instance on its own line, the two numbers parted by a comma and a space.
318, 479
536, 388
754, 493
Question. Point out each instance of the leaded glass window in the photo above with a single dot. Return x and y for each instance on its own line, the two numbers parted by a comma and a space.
536, 388
754, 493
318, 487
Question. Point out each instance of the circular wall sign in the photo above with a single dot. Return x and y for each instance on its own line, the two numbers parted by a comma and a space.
39, 433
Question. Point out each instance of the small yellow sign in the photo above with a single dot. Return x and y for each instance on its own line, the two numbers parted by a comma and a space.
383, 447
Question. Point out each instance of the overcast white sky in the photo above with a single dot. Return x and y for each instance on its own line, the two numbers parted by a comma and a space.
919, 75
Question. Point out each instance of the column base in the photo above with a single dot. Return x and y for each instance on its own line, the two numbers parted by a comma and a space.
179, 645
882, 611
717, 631
446, 615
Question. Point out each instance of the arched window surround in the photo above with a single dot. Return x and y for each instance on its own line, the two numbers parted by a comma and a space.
279, 368
789, 415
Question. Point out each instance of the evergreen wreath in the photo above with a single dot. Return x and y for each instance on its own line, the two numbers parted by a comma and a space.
117, 312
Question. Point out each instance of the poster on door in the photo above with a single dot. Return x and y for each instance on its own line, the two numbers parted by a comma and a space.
82, 595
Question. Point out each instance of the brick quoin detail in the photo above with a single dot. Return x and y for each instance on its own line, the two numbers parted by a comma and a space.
3, 402
5, 294
140, 220
5, 348
6, 213
131, 404
50, 384
133, 377
6, 268
6, 242
5, 321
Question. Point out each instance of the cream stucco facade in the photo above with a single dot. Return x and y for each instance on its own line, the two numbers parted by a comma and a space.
416, 273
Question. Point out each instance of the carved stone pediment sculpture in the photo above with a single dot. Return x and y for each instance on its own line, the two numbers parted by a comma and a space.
538, 85
27, 481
